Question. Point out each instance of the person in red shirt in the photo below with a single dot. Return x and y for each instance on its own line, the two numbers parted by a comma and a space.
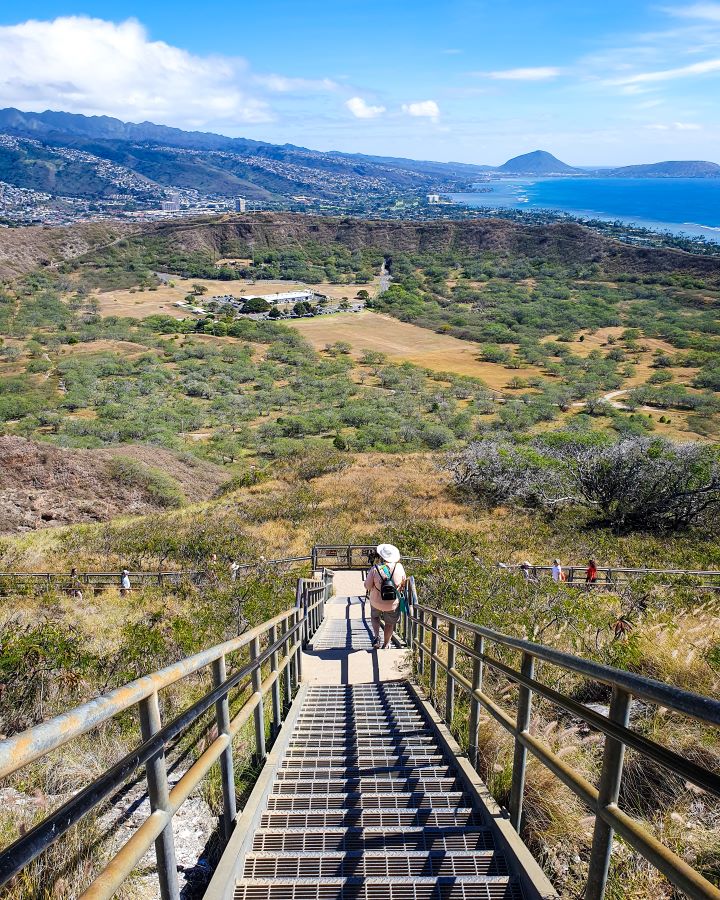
591, 574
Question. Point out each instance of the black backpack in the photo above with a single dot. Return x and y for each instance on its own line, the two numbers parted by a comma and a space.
388, 588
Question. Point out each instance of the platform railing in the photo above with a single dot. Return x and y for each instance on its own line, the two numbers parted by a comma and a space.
437, 639
311, 596
100, 581
616, 576
275, 644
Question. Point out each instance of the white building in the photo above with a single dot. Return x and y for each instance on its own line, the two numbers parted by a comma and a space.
240, 204
433, 198
288, 297
170, 206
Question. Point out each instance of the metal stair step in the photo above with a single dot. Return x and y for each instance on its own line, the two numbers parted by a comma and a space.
369, 864
488, 888
391, 771
447, 800
372, 818
391, 840
369, 783
387, 760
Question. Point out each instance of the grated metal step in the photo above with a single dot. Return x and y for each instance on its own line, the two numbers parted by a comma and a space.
447, 800
488, 888
369, 818
372, 784
358, 864
399, 840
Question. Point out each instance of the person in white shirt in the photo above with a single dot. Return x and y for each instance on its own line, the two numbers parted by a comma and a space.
387, 567
557, 572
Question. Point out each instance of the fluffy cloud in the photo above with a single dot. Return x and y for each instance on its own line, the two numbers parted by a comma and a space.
423, 108
675, 126
538, 73
79, 64
706, 67
362, 110
707, 11
283, 85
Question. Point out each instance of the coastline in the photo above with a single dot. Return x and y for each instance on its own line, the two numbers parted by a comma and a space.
695, 202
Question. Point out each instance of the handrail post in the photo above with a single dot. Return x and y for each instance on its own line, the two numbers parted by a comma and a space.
477, 679
299, 614
287, 674
305, 618
450, 681
520, 754
433, 652
608, 793
159, 794
276, 706
227, 768
259, 711
421, 642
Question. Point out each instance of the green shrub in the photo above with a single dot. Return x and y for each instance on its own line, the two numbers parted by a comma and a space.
158, 487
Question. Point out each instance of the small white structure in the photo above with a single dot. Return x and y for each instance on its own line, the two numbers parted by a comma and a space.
288, 297
240, 204
433, 198
170, 206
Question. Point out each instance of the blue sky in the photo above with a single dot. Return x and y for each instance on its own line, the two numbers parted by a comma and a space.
595, 83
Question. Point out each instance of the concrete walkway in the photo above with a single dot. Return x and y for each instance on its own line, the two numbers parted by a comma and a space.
341, 650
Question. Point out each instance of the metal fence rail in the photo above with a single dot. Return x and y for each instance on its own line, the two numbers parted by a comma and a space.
100, 581
616, 575
356, 557
430, 632
284, 634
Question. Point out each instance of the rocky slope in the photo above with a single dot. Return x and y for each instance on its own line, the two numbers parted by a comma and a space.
42, 485
22, 249
565, 242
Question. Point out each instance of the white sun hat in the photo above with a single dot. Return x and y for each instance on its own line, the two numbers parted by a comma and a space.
388, 552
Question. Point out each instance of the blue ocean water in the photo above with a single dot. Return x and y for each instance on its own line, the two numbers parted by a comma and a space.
688, 206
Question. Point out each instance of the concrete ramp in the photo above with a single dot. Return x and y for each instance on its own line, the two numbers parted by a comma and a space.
341, 650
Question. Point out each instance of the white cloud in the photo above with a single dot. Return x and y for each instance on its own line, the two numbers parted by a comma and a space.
702, 68
282, 84
363, 110
538, 73
707, 11
675, 126
422, 108
96, 67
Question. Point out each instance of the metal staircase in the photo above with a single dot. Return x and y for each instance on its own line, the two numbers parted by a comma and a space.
364, 793
366, 804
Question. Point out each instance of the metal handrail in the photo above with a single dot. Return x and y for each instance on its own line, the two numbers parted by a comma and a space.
347, 553
422, 622
285, 634
66, 580
613, 576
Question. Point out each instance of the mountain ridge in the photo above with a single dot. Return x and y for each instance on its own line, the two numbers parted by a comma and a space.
125, 166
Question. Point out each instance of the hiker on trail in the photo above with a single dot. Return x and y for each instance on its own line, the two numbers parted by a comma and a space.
125, 586
385, 582
527, 571
75, 589
557, 573
591, 573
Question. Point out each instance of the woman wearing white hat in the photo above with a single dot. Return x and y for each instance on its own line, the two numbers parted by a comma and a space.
384, 582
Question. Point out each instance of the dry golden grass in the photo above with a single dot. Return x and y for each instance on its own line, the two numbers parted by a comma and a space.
404, 342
